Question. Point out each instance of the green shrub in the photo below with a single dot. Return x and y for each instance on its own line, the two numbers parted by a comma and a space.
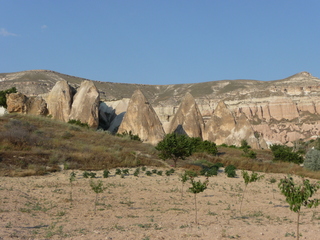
129, 135
159, 173
285, 153
136, 172
312, 160
106, 173
78, 123
230, 170
3, 97
118, 171
148, 173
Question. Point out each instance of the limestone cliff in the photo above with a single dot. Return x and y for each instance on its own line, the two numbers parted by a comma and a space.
142, 120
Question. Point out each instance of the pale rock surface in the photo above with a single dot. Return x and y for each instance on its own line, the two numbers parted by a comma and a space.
244, 130
37, 106
16, 103
59, 101
111, 113
220, 125
3, 111
85, 106
142, 120
188, 119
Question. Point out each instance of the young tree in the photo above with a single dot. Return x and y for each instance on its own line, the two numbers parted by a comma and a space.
249, 179
184, 177
174, 146
298, 195
97, 187
72, 178
197, 187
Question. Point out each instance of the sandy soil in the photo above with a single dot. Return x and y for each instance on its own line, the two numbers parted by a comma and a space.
147, 207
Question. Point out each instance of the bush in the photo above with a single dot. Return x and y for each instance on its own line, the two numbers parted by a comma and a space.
203, 146
230, 170
312, 160
106, 173
3, 97
285, 153
78, 123
129, 135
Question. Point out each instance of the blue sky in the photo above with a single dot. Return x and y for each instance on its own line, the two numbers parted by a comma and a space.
161, 41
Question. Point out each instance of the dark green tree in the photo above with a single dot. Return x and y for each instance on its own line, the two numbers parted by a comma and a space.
286, 154
3, 98
174, 146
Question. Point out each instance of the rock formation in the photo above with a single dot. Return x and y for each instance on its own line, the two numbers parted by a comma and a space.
142, 120
280, 111
16, 103
3, 111
37, 106
188, 119
220, 125
59, 101
85, 106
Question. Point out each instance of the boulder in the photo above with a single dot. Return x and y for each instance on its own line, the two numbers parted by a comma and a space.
142, 120
85, 106
59, 101
37, 106
188, 119
16, 103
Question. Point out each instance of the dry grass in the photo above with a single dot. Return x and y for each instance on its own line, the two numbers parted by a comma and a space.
48, 144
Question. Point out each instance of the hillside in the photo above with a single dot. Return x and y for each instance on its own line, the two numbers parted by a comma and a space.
281, 111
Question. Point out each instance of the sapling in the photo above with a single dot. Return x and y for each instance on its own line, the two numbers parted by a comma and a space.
272, 181
72, 178
136, 172
159, 173
249, 179
183, 178
118, 171
106, 173
148, 173
197, 187
125, 171
97, 187
298, 195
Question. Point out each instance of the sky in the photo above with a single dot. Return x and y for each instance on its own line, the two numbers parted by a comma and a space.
161, 41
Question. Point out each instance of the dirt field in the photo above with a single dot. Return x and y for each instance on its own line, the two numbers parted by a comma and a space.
147, 207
